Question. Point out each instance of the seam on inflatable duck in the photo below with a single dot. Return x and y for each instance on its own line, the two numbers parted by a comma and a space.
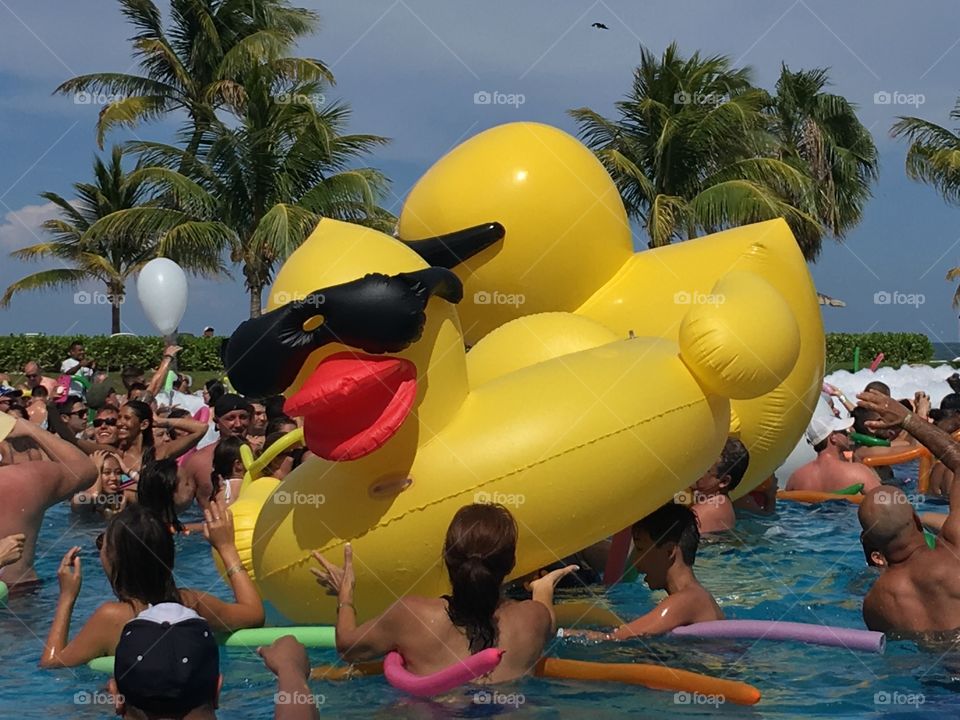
473, 488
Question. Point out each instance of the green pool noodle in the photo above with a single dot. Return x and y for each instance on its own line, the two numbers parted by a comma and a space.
4, 591
312, 636
856, 358
931, 539
868, 440
854, 489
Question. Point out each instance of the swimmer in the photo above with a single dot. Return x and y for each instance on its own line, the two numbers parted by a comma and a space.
831, 471
918, 590
232, 418
665, 545
711, 502
137, 554
29, 488
433, 633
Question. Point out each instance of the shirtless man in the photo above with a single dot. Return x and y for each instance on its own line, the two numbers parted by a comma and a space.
919, 588
232, 417
666, 544
712, 506
30, 488
831, 471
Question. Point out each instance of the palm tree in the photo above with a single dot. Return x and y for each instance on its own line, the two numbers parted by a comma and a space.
821, 134
278, 170
934, 158
210, 42
85, 241
691, 150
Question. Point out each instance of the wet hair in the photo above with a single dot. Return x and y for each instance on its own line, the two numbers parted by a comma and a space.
141, 552
108, 408
225, 454
136, 387
19, 410
877, 386
274, 424
70, 402
215, 390
155, 489
274, 405
950, 402
822, 445
733, 462
143, 412
480, 551
176, 414
74, 345
39, 392
860, 417
672, 523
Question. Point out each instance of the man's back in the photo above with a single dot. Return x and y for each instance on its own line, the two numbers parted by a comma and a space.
920, 594
828, 474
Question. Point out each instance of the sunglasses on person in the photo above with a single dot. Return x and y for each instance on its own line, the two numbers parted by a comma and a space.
75, 412
110, 422
31, 375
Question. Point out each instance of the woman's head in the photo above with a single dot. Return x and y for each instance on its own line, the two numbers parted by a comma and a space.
137, 554
157, 491
227, 463
110, 474
480, 551
213, 390
136, 418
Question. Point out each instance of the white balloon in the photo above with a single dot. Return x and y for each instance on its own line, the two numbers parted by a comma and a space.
162, 289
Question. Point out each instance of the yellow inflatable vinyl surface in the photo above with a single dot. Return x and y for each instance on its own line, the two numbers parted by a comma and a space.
579, 430
567, 248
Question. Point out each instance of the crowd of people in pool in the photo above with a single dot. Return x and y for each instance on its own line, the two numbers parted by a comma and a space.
138, 454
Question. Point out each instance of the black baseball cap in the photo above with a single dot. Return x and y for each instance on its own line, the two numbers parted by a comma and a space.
230, 402
167, 661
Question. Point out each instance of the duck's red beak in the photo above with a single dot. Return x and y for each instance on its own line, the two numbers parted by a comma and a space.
353, 403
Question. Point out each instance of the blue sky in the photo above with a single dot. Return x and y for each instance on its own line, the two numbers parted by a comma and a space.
410, 69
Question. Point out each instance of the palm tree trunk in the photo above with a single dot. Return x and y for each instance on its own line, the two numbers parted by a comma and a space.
115, 316
256, 297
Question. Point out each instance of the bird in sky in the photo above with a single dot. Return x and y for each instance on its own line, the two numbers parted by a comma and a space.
600, 26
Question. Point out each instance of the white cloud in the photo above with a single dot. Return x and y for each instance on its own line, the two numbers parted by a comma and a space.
23, 227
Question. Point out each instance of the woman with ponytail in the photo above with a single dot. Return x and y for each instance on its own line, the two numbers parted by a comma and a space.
434, 633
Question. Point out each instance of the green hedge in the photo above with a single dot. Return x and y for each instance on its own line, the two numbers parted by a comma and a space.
203, 354
111, 353
897, 348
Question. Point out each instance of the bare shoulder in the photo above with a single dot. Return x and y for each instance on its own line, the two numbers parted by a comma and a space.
112, 613
526, 611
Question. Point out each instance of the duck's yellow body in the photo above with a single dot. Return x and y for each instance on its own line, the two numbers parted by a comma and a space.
577, 429
568, 248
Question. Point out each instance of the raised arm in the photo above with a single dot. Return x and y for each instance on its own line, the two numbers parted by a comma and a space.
287, 659
194, 431
373, 638
247, 609
71, 469
156, 382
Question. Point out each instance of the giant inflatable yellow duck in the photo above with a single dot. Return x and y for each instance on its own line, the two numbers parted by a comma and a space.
567, 247
578, 429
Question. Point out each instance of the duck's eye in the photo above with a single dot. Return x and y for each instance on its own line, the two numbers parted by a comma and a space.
311, 324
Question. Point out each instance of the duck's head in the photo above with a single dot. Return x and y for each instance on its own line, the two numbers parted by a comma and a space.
357, 325
566, 230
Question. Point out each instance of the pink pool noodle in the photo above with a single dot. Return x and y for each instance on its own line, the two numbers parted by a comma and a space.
849, 638
876, 362
441, 681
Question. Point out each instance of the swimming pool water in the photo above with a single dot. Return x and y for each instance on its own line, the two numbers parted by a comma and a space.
805, 564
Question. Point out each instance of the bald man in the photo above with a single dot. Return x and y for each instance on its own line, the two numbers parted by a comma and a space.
918, 589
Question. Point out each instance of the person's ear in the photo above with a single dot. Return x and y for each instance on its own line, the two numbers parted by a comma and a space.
724, 482
877, 559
